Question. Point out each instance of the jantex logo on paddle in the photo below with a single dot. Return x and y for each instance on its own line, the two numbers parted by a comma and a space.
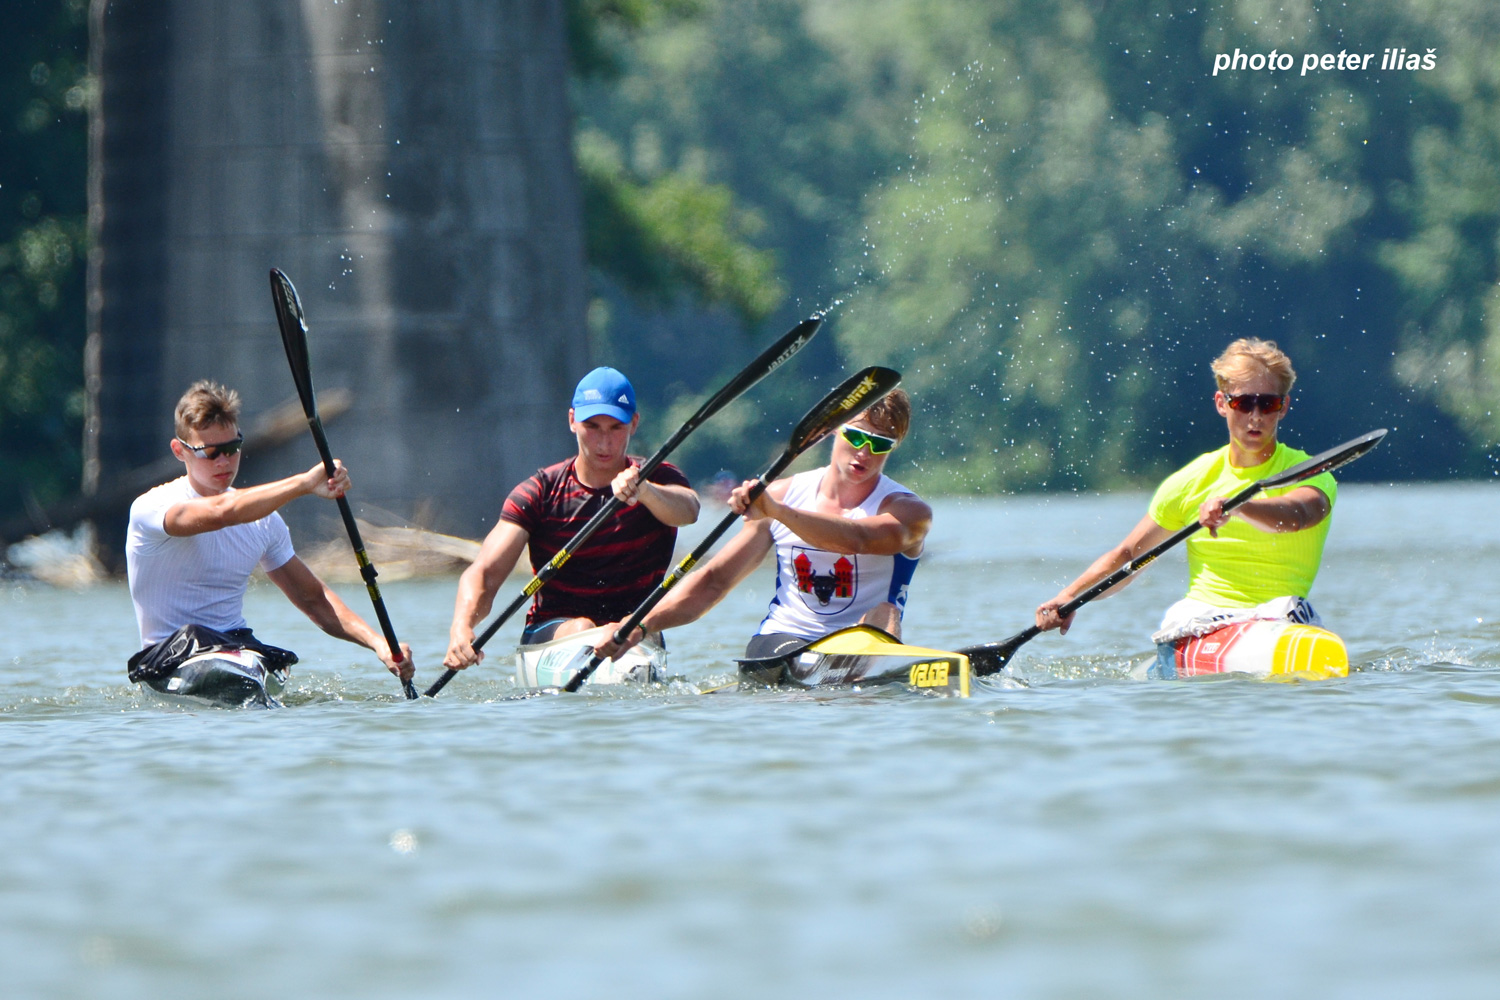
793, 348
865, 387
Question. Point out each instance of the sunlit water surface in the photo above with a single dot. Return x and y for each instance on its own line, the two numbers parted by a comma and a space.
1078, 834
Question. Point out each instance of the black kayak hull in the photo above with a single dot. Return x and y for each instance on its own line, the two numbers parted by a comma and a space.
860, 656
226, 678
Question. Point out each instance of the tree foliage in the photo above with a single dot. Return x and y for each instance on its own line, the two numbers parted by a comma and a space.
44, 94
1089, 216
660, 234
1052, 216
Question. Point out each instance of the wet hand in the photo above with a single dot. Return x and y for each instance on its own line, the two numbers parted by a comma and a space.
1047, 617
1212, 516
739, 501
611, 650
405, 669
627, 486
318, 482
461, 652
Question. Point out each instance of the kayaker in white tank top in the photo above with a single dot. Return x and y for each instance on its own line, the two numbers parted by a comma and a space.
846, 510
818, 591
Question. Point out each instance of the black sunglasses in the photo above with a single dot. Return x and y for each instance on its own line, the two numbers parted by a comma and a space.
1265, 402
210, 452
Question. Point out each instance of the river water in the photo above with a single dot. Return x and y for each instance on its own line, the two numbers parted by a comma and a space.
1076, 833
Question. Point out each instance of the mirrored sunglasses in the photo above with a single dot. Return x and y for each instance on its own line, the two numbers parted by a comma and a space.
1265, 402
213, 451
878, 444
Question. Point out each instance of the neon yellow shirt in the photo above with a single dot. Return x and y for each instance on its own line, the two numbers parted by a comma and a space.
1244, 566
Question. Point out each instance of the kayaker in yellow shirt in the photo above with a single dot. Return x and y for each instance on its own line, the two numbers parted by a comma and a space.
1260, 560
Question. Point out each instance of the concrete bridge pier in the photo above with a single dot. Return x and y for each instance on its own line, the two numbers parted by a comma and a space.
408, 165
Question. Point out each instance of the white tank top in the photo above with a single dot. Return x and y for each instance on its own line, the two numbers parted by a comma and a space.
817, 591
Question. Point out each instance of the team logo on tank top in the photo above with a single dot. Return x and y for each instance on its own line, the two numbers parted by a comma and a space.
826, 580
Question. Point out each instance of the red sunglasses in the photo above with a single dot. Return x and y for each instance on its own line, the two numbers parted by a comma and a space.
1265, 402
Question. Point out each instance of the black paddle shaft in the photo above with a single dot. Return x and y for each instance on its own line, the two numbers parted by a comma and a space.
855, 395
764, 364
293, 324
991, 658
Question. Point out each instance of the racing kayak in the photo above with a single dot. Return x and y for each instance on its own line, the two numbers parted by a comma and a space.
202, 666
554, 663
1273, 649
228, 678
858, 656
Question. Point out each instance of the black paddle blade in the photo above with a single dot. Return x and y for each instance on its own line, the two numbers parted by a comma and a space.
764, 364
991, 657
293, 324
1326, 461
855, 395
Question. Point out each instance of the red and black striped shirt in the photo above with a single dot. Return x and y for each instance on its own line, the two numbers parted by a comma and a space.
616, 568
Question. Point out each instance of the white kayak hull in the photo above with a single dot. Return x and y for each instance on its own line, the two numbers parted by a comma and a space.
225, 678
1271, 649
554, 663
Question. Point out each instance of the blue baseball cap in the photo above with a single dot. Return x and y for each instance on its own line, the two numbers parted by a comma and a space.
604, 391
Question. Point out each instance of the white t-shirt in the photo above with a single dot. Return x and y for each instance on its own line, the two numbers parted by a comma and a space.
195, 579
817, 591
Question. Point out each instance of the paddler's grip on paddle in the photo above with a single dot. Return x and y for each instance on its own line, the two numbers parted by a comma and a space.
749, 500
400, 664
1047, 617
610, 649
461, 652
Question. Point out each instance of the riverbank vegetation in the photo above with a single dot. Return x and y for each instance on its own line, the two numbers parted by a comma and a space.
1050, 217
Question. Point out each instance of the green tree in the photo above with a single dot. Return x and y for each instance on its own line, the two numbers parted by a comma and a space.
747, 96
44, 96
1089, 216
1446, 260
659, 234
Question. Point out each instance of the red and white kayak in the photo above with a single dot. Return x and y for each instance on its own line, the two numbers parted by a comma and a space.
1278, 650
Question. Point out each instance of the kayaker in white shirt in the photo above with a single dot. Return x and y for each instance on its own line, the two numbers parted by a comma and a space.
193, 542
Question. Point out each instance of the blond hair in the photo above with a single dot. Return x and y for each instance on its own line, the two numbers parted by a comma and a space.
1250, 356
205, 404
891, 414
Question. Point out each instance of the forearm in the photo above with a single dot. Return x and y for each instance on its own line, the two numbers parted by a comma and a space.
699, 591
1284, 513
474, 599
1102, 567
237, 507
329, 612
674, 506
686, 602
881, 536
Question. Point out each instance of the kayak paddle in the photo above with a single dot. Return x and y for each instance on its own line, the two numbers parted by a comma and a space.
992, 657
857, 393
768, 361
293, 323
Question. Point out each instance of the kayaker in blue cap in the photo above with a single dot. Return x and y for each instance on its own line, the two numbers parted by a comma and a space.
619, 565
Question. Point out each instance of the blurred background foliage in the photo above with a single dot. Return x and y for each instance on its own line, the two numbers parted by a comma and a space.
1049, 216
44, 97
1052, 216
